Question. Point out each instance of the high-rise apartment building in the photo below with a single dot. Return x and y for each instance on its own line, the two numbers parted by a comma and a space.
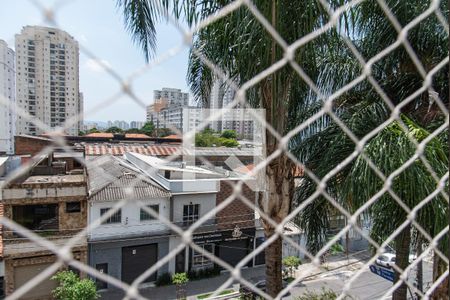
238, 119
47, 80
167, 108
172, 96
7, 95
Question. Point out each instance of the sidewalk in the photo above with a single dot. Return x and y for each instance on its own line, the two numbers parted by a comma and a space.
308, 271
193, 288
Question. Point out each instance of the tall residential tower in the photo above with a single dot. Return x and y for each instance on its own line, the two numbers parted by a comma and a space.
7, 101
47, 80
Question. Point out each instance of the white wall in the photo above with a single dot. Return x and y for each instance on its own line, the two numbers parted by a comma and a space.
207, 203
130, 224
8, 93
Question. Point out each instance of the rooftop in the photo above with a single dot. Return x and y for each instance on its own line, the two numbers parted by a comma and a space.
100, 135
62, 179
111, 178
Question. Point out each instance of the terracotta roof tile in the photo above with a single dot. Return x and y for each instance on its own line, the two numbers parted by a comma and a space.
136, 136
100, 135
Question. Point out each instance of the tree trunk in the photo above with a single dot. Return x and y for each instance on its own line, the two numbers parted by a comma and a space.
442, 290
402, 243
276, 204
274, 283
419, 268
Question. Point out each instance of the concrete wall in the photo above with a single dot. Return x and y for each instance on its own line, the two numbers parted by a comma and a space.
111, 253
131, 224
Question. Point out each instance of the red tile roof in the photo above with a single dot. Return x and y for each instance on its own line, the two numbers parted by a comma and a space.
100, 135
154, 150
136, 136
172, 136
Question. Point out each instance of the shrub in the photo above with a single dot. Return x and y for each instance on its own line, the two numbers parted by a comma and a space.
71, 287
291, 263
180, 278
229, 134
164, 279
228, 142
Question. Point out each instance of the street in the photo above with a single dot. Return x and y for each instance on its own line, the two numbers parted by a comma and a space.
337, 273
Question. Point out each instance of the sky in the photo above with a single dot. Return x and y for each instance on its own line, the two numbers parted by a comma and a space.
99, 27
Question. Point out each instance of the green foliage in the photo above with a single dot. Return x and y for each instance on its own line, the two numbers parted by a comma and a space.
291, 263
164, 279
114, 129
162, 132
92, 130
180, 278
230, 143
336, 249
133, 130
148, 128
229, 134
71, 287
208, 139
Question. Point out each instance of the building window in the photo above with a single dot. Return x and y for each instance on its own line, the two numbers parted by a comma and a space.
198, 259
190, 213
73, 207
37, 217
115, 218
146, 216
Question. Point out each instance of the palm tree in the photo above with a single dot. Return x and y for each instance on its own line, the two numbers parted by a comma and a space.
240, 46
362, 110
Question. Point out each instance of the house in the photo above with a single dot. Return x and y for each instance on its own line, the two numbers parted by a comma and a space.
50, 200
131, 240
196, 191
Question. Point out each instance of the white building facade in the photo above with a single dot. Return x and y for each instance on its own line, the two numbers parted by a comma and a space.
173, 96
47, 80
8, 99
237, 119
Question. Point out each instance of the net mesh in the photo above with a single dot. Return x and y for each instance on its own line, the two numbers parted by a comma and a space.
325, 108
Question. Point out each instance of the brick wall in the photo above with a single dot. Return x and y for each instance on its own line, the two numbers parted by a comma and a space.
236, 212
30, 145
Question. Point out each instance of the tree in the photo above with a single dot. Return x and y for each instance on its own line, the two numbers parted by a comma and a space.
71, 287
133, 130
180, 280
245, 51
291, 263
163, 132
114, 129
229, 134
148, 128
93, 130
362, 110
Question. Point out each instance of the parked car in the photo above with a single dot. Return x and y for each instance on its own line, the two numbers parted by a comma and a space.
386, 260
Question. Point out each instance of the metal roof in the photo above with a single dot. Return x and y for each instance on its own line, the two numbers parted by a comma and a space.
111, 179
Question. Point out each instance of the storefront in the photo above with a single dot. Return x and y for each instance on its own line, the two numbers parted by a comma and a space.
230, 246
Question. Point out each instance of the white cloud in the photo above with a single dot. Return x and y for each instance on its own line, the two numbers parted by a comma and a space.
97, 66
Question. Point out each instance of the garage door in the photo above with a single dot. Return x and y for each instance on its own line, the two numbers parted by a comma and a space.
138, 259
24, 274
